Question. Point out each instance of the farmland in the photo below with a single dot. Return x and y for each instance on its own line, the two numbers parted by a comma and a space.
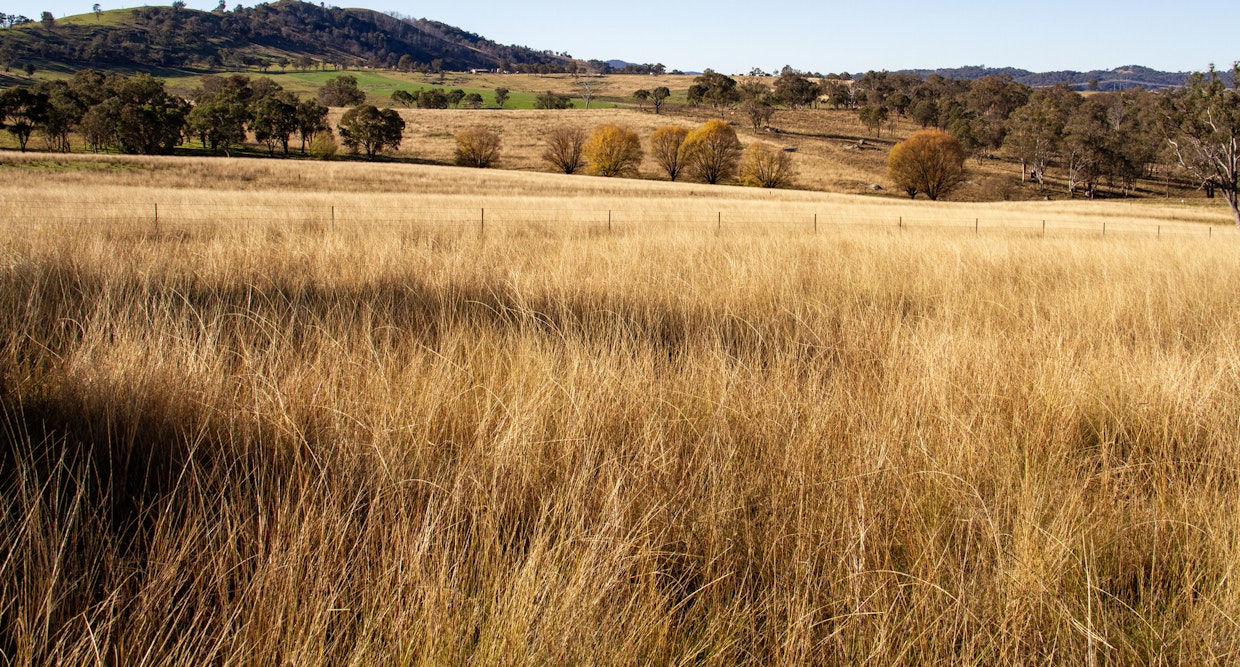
345, 413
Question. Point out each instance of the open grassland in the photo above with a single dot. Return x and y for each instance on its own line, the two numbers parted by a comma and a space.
249, 433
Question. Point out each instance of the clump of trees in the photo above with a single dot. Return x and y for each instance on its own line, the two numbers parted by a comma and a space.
341, 91
477, 147
929, 162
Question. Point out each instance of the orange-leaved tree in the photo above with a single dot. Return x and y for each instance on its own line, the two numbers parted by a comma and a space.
929, 161
613, 150
665, 145
710, 153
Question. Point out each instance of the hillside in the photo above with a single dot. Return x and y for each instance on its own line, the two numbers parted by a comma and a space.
276, 35
1120, 78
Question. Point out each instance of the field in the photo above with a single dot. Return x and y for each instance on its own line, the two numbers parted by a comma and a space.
308, 413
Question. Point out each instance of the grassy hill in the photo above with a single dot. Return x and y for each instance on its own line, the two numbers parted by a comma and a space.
274, 35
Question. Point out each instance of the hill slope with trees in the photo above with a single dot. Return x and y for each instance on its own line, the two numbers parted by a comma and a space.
280, 34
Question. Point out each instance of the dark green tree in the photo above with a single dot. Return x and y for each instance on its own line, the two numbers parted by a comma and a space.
273, 119
311, 120
501, 97
341, 91
22, 111
370, 130
1201, 123
658, 97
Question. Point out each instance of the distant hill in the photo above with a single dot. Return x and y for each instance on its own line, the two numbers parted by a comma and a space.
1120, 78
287, 32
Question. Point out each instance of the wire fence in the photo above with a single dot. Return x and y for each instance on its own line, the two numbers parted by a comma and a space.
84, 215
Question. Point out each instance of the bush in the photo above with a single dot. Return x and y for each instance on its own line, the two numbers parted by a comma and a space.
323, 146
477, 147
767, 166
613, 150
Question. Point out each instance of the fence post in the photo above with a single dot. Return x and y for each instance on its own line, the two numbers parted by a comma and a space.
609, 221
333, 219
719, 222
482, 223
156, 217
815, 223
1159, 236
976, 226
900, 224
1043, 229
1104, 229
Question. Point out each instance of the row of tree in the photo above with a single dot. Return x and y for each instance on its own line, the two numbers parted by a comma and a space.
711, 154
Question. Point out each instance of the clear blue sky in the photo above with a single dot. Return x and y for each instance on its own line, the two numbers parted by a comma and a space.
733, 37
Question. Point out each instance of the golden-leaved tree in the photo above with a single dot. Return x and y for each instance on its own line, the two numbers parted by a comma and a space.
477, 147
929, 162
710, 153
767, 166
613, 150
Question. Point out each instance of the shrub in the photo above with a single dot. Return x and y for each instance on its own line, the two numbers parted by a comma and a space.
323, 146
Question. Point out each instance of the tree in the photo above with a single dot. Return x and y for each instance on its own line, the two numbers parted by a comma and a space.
757, 103
589, 89
473, 100
794, 90
659, 96
716, 89
613, 150
455, 96
1201, 122
501, 97
710, 152
434, 98
1034, 133
97, 10
219, 118
370, 130
274, 119
477, 147
22, 111
341, 91
47, 20
641, 95
564, 149
666, 148
874, 117
403, 98
134, 114
62, 113
311, 121
929, 161
550, 100
766, 166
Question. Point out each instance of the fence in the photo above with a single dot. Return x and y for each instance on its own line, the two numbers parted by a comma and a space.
739, 217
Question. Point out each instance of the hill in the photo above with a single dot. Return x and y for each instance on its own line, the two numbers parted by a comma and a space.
279, 34
1120, 78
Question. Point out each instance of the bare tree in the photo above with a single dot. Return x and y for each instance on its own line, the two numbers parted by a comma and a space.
564, 149
589, 88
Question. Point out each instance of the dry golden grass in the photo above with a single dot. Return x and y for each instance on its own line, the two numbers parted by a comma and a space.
247, 435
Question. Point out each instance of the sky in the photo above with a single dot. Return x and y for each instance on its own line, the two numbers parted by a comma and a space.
734, 37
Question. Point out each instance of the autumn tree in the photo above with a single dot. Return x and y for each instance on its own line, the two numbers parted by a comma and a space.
929, 161
564, 149
370, 130
613, 150
1202, 124
666, 148
477, 147
766, 166
711, 152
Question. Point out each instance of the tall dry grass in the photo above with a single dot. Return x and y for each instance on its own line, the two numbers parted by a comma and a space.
238, 441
